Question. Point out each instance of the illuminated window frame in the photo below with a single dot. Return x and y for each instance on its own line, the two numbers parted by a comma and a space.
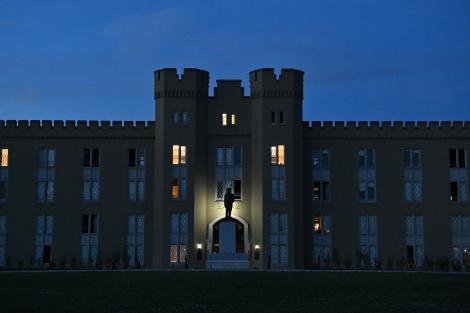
5, 156
229, 119
178, 154
278, 155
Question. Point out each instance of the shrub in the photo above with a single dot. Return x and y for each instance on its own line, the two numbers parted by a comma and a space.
336, 259
428, 264
378, 263
443, 264
456, 266
401, 264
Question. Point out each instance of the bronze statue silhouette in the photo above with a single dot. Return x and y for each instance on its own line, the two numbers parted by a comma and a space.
229, 198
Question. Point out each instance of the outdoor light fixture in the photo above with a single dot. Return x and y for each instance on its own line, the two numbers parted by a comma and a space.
199, 251
256, 251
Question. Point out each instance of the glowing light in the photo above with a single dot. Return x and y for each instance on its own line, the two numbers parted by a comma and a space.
183, 155
256, 246
233, 119
224, 119
176, 154
273, 155
199, 246
280, 152
4, 157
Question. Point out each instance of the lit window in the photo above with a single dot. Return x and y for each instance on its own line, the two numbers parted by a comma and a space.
224, 119
175, 189
4, 157
317, 224
273, 155
183, 155
232, 120
176, 154
280, 155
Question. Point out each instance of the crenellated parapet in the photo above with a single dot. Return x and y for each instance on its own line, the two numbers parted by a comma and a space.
71, 128
411, 129
264, 83
192, 83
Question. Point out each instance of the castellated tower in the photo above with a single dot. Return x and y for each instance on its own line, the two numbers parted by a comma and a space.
180, 147
277, 118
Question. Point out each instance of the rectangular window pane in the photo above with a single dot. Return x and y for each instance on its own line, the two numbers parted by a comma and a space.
93, 223
174, 189
85, 224
273, 155
237, 188
185, 118
325, 190
4, 162
452, 158
281, 117
462, 158
453, 191
370, 157
316, 190
273, 117
175, 117
407, 158
416, 159
95, 158
280, 154
86, 158
176, 154
183, 155
224, 119
132, 158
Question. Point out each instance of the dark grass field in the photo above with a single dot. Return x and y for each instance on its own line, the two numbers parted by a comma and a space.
87, 292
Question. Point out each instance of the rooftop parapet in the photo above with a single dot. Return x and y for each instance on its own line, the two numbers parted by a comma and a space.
265, 83
229, 88
386, 128
192, 83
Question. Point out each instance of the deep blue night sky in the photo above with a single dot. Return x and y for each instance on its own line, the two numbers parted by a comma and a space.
363, 60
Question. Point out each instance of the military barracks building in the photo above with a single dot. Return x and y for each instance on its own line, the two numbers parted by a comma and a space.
308, 194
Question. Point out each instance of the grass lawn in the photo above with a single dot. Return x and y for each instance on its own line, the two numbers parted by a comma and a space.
87, 292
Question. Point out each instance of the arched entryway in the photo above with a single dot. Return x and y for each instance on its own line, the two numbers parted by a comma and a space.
242, 239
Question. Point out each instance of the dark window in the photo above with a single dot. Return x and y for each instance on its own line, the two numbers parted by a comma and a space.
46, 258
95, 162
462, 158
93, 223
85, 224
273, 117
453, 191
407, 159
281, 117
132, 157
325, 190
316, 190
370, 157
453, 158
86, 158
237, 188
3, 190
416, 159
410, 252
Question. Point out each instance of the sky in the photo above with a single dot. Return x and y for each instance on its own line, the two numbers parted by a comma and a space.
363, 59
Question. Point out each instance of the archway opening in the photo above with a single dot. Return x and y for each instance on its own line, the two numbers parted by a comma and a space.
239, 233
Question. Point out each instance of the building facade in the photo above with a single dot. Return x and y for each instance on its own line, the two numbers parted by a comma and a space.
308, 194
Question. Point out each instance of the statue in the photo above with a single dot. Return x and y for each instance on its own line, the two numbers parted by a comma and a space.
229, 198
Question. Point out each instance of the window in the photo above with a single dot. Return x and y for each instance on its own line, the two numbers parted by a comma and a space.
457, 158
278, 173
228, 172
228, 119
412, 175
179, 155
135, 240
184, 118
136, 174
175, 117
4, 175
178, 238
281, 117
43, 240
4, 162
366, 173
179, 172
461, 239
368, 238
91, 175
273, 117
321, 175
89, 239
458, 175
278, 239
414, 240
321, 239
46, 175
3, 235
